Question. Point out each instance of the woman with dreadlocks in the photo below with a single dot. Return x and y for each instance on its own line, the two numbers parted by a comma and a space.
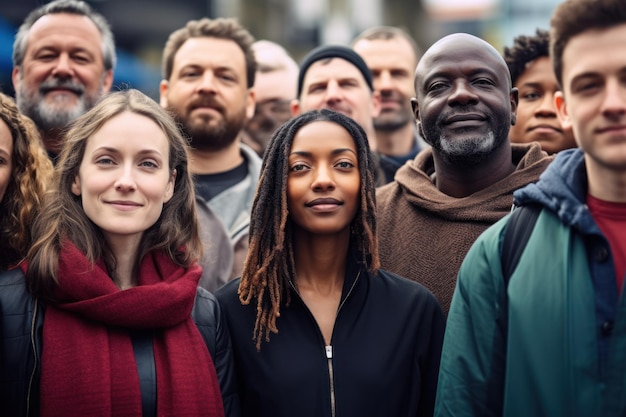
317, 328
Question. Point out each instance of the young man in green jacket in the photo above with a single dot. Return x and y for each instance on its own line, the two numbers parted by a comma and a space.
551, 341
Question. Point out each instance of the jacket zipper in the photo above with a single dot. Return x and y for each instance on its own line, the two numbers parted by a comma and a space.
329, 349
34, 345
329, 357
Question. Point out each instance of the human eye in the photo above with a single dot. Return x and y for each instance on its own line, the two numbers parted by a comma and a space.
344, 164
531, 95
81, 58
149, 163
104, 161
399, 74
349, 83
189, 73
484, 82
436, 86
298, 167
46, 55
227, 77
587, 87
316, 88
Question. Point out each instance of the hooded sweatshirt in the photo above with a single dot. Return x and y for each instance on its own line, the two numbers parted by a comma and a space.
424, 234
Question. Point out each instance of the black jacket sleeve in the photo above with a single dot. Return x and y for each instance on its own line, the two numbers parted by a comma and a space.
211, 323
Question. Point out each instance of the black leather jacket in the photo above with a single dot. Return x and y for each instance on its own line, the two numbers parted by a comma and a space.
21, 329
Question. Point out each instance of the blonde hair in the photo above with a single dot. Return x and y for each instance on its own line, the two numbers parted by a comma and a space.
30, 174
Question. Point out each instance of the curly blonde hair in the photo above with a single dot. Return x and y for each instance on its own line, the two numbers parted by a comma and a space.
30, 175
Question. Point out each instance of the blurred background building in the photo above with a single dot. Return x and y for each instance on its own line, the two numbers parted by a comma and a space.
141, 27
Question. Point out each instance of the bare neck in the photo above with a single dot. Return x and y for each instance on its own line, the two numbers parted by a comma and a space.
321, 260
125, 252
396, 143
213, 162
605, 183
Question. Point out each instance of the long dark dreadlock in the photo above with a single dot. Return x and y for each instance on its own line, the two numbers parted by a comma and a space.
270, 265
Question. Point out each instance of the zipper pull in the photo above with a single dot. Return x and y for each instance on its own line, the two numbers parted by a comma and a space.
329, 352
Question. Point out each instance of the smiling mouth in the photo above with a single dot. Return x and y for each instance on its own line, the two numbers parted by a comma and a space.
464, 118
545, 128
324, 202
124, 205
610, 129
324, 205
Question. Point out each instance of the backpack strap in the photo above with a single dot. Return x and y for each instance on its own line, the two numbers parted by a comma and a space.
516, 234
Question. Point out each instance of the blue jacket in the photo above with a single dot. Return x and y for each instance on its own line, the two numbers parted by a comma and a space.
560, 347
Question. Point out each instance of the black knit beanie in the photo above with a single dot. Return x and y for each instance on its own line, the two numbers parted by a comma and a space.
334, 51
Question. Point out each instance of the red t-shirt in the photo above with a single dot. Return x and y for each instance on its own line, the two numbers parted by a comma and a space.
611, 219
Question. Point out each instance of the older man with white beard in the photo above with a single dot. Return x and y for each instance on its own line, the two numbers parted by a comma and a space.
63, 60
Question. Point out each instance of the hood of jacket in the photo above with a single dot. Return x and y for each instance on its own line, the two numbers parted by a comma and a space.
415, 180
562, 188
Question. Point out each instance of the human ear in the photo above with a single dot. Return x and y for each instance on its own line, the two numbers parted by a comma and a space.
514, 97
561, 110
76, 186
169, 189
295, 107
163, 88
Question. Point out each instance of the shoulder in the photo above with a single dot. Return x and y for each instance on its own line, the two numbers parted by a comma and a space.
254, 161
206, 309
482, 266
385, 193
398, 288
228, 294
12, 285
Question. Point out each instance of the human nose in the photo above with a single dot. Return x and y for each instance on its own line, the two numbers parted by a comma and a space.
546, 106
333, 92
614, 102
384, 81
323, 180
126, 180
63, 66
207, 82
462, 94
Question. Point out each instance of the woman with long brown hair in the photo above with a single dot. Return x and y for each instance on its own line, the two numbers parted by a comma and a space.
110, 320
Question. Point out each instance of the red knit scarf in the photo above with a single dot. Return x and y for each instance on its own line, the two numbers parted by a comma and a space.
88, 364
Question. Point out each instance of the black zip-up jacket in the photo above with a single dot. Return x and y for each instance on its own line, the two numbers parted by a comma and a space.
383, 360
21, 329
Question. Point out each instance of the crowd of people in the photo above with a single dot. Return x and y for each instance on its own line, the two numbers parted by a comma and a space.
378, 230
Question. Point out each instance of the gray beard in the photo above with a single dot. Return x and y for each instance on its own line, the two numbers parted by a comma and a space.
56, 115
468, 152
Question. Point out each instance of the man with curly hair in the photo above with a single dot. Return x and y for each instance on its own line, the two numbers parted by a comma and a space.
531, 72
